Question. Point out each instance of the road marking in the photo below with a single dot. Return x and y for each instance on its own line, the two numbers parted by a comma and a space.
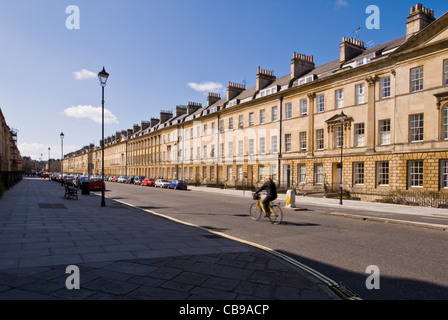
316, 274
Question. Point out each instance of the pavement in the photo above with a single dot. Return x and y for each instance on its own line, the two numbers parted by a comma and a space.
125, 253
58, 249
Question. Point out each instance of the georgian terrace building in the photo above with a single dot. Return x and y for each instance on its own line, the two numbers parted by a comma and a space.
394, 136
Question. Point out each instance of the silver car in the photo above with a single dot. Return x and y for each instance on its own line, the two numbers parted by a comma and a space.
162, 183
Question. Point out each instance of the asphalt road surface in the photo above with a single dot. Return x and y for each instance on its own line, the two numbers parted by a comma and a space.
410, 262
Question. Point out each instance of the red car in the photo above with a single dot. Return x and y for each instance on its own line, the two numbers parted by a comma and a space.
96, 184
149, 182
114, 179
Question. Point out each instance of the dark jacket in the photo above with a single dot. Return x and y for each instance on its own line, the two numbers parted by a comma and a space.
271, 189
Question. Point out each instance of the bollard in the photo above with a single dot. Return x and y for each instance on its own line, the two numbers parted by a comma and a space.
290, 199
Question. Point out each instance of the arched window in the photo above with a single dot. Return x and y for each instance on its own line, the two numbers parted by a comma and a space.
445, 122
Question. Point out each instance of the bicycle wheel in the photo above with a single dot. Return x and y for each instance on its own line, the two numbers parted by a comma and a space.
277, 217
255, 211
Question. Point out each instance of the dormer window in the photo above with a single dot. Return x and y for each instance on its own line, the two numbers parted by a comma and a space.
306, 80
268, 91
233, 103
364, 60
214, 109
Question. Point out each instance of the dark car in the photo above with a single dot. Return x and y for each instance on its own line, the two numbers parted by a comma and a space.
129, 180
79, 180
177, 184
138, 180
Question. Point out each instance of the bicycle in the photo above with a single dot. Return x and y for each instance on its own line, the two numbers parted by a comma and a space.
257, 209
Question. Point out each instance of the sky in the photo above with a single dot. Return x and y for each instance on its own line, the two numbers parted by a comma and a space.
159, 54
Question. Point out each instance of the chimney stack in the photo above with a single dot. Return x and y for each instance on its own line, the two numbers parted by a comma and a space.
234, 89
180, 110
264, 77
193, 107
145, 124
350, 48
418, 19
135, 128
165, 115
213, 98
300, 64
129, 132
153, 122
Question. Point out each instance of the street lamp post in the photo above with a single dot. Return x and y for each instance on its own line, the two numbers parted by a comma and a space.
342, 118
62, 157
102, 76
49, 160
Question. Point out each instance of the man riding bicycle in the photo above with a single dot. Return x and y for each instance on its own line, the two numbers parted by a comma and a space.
271, 193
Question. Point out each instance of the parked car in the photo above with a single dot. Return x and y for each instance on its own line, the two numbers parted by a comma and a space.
177, 184
79, 180
121, 179
149, 182
138, 180
96, 184
129, 180
162, 183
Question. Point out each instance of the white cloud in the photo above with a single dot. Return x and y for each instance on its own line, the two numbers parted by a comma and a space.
206, 86
84, 74
341, 3
90, 112
40, 151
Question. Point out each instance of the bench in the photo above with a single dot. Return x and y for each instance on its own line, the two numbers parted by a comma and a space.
71, 193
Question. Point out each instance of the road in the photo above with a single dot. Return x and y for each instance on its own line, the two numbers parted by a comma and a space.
412, 261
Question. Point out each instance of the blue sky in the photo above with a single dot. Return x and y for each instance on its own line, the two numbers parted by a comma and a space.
159, 54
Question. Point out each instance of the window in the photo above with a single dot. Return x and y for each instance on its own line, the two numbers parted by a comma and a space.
360, 93
191, 174
240, 121
287, 142
416, 127
262, 116
445, 122
302, 141
303, 107
212, 151
417, 79
204, 173
415, 173
445, 72
213, 128
251, 119
240, 148
359, 135
444, 174
251, 147
221, 150
198, 132
273, 171
205, 153
262, 147
320, 103
191, 154
230, 149
230, 123
301, 171
288, 111
274, 114
358, 173
318, 173
260, 173
319, 139
339, 98
385, 88
229, 173
274, 144
221, 126
239, 170
337, 136
382, 169
212, 173
198, 153
205, 129
384, 132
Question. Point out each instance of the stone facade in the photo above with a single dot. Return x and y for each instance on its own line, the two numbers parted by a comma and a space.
394, 135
